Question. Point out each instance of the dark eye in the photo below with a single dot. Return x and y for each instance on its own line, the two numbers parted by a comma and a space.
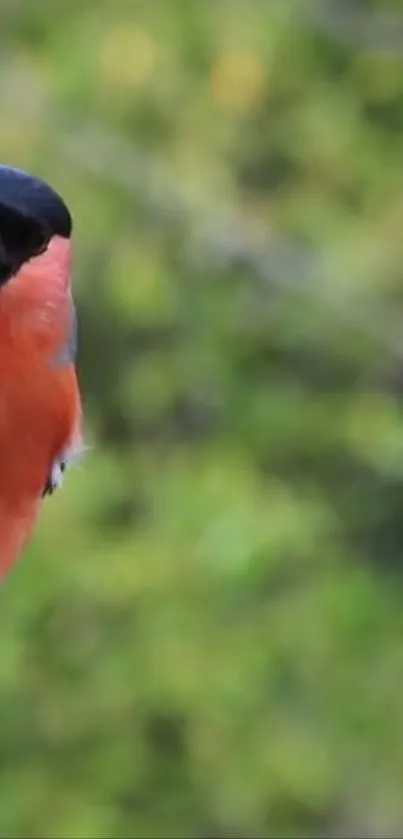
22, 237
37, 241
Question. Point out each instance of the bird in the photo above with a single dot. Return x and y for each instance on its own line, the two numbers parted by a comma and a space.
40, 397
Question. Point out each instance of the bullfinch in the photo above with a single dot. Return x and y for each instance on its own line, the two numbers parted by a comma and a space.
40, 404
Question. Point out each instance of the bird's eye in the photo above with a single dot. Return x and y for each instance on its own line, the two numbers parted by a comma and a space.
38, 241
22, 238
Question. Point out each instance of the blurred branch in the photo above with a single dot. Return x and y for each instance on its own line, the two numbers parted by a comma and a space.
216, 235
348, 21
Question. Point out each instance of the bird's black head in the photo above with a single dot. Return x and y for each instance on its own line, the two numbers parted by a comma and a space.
31, 213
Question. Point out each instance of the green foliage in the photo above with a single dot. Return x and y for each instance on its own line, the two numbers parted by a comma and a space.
205, 636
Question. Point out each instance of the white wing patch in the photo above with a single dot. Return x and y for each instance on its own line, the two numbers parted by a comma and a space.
56, 476
57, 473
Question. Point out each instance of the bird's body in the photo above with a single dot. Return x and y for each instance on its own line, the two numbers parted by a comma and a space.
40, 409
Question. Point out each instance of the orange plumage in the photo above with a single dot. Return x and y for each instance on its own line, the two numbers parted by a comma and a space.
40, 408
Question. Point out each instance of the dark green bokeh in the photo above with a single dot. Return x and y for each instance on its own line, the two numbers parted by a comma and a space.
205, 637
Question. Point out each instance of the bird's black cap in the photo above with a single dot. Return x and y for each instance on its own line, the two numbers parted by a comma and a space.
31, 213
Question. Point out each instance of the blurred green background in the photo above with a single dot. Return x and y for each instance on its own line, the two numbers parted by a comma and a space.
205, 637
